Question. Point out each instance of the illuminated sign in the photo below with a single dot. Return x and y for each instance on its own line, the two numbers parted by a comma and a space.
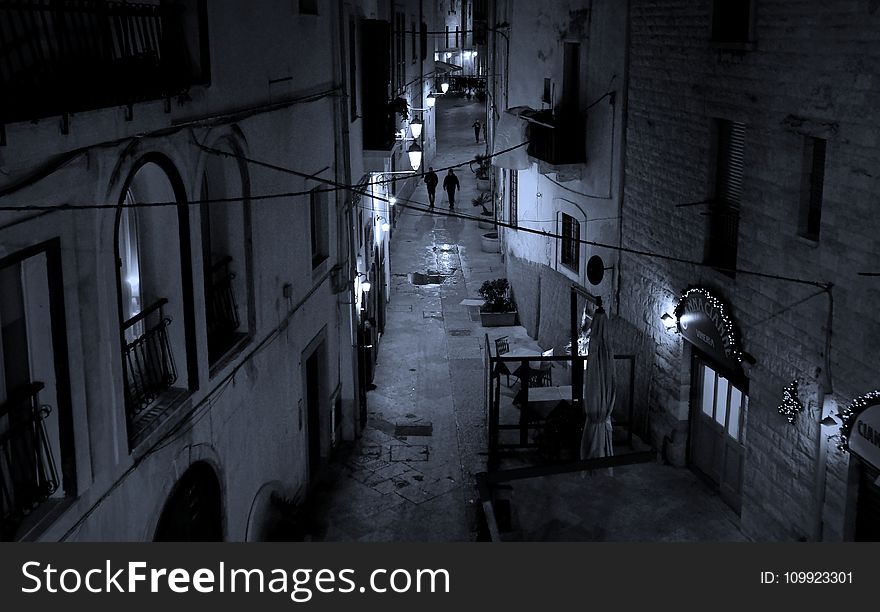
861, 429
703, 322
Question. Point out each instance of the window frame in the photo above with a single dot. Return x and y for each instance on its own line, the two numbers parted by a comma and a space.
744, 42
812, 187
570, 246
727, 188
67, 471
319, 229
513, 213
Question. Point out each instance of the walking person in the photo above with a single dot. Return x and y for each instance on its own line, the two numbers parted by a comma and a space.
450, 185
431, 181
476, 127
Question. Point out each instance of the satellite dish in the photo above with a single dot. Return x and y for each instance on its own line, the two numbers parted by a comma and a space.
596, 270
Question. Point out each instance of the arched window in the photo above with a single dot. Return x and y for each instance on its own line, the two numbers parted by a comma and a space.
225, 226
155, 296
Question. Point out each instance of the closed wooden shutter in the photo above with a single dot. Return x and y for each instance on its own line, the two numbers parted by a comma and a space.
729, 178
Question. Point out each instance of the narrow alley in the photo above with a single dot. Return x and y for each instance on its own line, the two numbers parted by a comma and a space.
410, 476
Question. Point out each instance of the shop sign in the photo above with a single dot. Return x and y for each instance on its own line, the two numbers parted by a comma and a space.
703, 322
862, 429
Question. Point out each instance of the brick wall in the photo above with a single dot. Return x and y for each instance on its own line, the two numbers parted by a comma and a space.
813, 72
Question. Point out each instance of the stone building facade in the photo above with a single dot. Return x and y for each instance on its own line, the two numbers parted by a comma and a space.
750, 143
177, 266
738, 164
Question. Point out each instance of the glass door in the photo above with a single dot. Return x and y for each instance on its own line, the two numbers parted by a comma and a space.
718, 409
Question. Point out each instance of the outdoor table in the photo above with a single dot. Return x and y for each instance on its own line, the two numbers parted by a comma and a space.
526, 352
542, 400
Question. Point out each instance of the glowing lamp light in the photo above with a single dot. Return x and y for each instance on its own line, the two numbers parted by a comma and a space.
366, 286
668, 321
392, 200
383, 224
416, 127
415, 156
444, 87
431, 100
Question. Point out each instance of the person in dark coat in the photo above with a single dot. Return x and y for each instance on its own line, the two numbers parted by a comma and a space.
450, 185
477, 131
431, 181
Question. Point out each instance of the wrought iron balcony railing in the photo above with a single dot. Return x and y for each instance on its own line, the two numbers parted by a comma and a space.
149, 364
67, 56
28, 476
557, 140
222, 310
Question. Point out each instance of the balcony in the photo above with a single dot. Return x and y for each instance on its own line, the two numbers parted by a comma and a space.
28, 476
78, 55
223, 321
149, 369
557, 140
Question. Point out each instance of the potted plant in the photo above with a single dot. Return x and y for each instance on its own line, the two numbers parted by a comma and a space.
482, 169
484, 198
498, 309
490, 243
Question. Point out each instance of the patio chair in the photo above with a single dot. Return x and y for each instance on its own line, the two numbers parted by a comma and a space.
541, 378
502, 346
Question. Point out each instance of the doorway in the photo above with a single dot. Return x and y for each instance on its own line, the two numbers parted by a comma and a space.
316, 400
717, 414
194, 511
868, 506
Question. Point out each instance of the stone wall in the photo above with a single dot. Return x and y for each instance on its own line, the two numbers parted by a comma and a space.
812, 73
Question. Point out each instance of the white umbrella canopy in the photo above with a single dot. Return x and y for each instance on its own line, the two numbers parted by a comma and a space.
599, 392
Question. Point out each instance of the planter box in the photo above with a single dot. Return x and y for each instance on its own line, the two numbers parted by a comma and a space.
498, 319
484, 184
486, 222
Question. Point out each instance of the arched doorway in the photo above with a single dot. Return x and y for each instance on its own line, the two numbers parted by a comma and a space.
194, 511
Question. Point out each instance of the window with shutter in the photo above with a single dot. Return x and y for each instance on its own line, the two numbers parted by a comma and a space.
723, 235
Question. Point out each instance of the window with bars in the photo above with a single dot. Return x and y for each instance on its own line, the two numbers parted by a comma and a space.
813, 187
514, 198
723, 235
571, 246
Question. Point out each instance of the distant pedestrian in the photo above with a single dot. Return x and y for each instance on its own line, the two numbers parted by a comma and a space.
450, 185
431, 181
477, 131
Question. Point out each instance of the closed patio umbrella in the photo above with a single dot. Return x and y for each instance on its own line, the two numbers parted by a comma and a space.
599, 392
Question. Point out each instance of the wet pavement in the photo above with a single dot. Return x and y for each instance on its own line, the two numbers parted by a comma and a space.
411, 476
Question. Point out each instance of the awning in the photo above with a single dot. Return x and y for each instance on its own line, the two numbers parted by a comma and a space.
444, 67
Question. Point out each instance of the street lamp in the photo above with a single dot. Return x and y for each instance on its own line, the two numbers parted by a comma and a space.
366, 285
415, 156
416, 127
384, 224
669, 321
431, 100
444, 87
